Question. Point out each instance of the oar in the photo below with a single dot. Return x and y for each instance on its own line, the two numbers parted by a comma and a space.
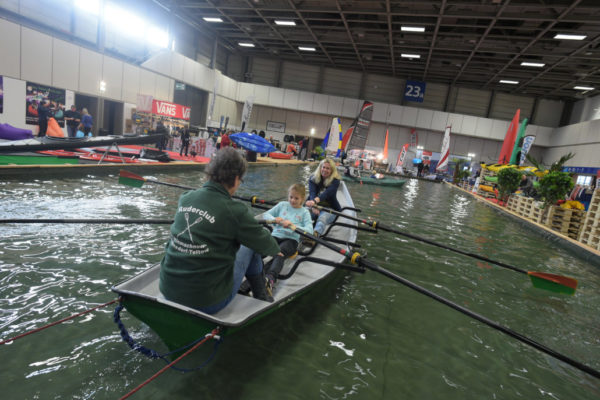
540, 280
131, 179
84, 221
357, 258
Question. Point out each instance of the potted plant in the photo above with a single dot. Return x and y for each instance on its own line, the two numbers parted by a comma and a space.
460, 172
508, 182
553, 187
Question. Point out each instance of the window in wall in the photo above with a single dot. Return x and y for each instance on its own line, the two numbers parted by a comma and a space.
584, 180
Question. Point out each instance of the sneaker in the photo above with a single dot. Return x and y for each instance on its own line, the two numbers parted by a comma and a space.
270, 284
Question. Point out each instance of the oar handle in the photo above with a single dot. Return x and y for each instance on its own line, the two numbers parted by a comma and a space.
255, 200
354, 258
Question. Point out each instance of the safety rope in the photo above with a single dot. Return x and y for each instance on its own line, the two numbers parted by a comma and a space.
211, 335
154, 354
58, 322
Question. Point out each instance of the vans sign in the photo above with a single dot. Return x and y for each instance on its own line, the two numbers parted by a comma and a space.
170, 109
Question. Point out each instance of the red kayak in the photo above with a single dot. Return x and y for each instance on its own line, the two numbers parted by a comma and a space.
281, 156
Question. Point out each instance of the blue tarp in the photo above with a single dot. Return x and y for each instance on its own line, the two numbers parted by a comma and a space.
252, 142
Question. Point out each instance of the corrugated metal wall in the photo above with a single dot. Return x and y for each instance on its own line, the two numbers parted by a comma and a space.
469, 101
300, 76
340, 82
435, 97
504, 106
385, 89
264, 71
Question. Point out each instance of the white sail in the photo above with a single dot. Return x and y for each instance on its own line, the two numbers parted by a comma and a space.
334, 136
445, 153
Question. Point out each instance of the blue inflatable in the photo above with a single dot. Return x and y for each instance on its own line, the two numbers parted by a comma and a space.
9, 132
252, 142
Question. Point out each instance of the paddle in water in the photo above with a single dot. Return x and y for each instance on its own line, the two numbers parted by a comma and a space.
357, 258
540, 280
131, 179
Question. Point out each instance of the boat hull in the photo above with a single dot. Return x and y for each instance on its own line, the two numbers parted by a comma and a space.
372, 181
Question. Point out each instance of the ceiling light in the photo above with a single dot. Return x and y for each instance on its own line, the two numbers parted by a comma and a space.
532, 64
509, 82
413, 29
410, 56
569, 37
306, 48
212, 19
583, 88
286, 23
244, 44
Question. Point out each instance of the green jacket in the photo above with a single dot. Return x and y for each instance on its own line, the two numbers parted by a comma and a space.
209, 226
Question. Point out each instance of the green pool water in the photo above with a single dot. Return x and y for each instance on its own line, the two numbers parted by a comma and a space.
363, 336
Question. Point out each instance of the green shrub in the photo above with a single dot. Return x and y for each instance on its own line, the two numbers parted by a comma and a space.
508, 181
554, 186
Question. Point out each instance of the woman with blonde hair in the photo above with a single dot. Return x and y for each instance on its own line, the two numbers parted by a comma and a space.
86, 122
322, 186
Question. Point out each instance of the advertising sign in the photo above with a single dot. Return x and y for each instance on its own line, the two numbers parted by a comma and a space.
37, 94
170, 109
276, 126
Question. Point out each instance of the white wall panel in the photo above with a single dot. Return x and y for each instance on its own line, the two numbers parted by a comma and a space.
339, 82
14, 104
434, 98
320, 103
380, 112
351, 107
160, 62
306, 101
36, 56
10, 43
300, 76
483, 127
177, 63
396, 115
491, 152
65, 65
148, 83
424, 118
188, 70
131, 83
204, 78
90, 71
165, 88
499, 129
265, 71
440, 121
112, 74
409, 116
276, 97
291, 98
334, 105
461, 123
292, 119
245, 90
261, 94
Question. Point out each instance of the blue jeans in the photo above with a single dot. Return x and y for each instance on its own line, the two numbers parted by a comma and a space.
247, 263
323, 220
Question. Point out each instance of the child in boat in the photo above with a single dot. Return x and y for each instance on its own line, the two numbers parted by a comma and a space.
288, 215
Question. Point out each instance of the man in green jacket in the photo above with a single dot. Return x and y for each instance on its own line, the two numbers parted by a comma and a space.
204, 264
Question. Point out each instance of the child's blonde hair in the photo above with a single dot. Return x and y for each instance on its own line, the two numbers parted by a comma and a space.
298, 188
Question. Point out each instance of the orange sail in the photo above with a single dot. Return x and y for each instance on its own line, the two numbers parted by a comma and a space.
509, 139
385, 146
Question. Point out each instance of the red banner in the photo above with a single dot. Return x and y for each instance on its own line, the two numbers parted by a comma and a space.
170, 109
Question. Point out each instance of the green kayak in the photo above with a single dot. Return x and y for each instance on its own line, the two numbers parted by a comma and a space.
373, 181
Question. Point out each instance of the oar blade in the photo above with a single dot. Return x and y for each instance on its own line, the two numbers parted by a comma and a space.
552, 282
130, 179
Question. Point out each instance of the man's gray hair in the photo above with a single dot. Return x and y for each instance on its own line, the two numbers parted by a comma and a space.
225, 166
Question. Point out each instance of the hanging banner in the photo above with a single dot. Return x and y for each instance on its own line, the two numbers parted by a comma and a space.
211, 107
144, 103
1, 95
247, 111
36, 94
170, 109
527, 143
414, 91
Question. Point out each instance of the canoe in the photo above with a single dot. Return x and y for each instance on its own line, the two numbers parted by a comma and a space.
178, 325
53, 143
372, 181
280, 155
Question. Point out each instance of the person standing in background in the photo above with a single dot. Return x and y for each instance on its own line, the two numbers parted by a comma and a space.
86, 121
43, 115
73, 119
304, 149
185, 141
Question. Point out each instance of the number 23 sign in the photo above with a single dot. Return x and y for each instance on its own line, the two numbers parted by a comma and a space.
414, 91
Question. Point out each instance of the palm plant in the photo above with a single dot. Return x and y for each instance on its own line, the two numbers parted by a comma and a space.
556, 166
